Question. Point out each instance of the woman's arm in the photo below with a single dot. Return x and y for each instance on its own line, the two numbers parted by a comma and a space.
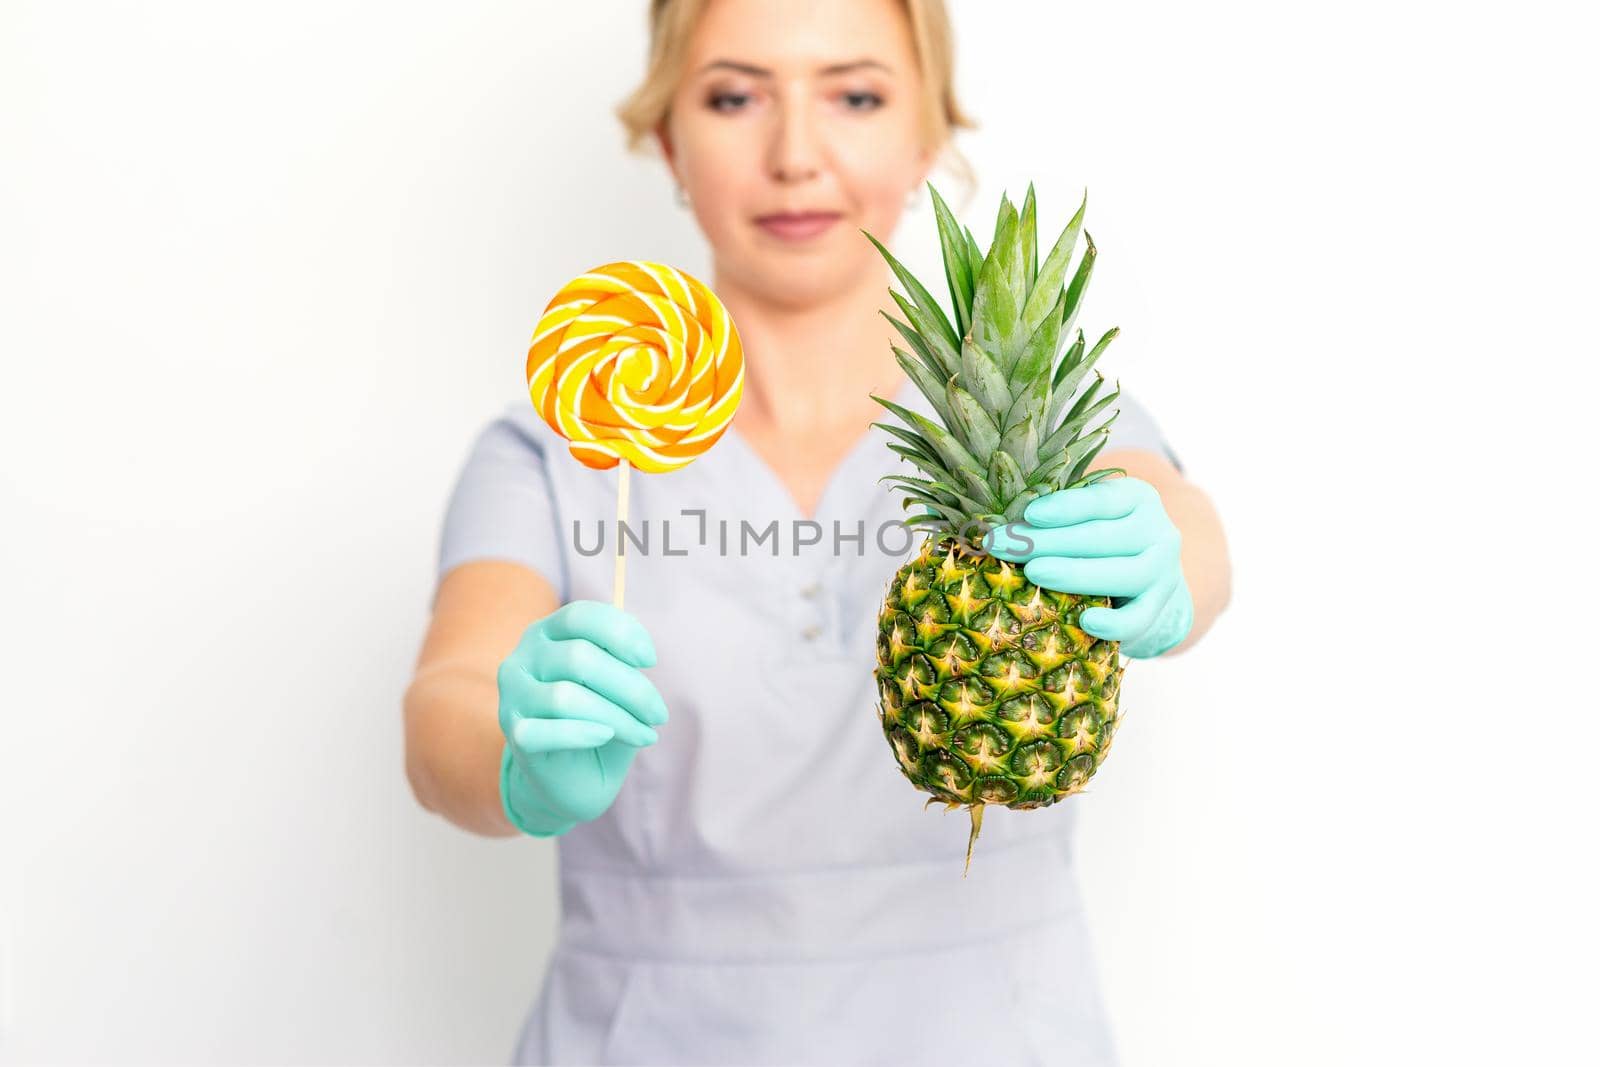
1206, 568
453, 737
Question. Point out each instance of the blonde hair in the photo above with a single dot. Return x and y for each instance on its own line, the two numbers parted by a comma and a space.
673, 21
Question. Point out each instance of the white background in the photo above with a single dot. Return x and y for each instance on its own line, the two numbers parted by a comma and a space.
268, 268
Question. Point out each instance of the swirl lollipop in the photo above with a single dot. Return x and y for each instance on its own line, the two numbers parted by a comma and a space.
636, 365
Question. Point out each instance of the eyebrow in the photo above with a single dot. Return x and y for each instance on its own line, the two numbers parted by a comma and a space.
762, 72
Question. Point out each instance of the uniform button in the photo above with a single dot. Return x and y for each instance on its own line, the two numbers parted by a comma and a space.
810, 591
811, 633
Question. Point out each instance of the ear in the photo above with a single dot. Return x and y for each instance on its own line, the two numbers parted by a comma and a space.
664, 139
927, 159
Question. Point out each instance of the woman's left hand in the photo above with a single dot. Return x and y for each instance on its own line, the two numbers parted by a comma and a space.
1112, 538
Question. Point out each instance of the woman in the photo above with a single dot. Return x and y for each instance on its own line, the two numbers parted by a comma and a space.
745, 877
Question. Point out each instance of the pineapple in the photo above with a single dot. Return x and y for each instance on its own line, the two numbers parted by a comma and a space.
990, 693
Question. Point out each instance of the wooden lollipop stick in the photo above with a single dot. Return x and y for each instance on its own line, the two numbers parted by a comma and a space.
622, 515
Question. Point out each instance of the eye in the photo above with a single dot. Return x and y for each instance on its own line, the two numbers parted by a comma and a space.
718, 99
863, 101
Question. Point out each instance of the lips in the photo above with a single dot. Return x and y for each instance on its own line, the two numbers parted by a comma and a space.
798, 226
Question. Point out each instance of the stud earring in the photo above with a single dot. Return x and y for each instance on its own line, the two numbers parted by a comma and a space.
682, 197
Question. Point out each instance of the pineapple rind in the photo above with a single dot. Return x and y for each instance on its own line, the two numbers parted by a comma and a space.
989, 693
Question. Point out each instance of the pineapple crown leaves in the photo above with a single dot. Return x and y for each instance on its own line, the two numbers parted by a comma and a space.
999, 372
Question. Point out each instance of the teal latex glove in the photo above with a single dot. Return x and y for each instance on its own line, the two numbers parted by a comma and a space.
1112, 538
575, 709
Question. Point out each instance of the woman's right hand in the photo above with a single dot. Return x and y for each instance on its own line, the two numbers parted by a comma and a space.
575, 709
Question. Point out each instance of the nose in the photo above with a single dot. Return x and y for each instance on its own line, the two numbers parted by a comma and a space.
795, 153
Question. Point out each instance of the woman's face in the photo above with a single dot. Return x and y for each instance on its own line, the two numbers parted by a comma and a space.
798, 107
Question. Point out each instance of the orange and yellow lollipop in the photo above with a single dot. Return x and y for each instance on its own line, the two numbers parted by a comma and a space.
636, 363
